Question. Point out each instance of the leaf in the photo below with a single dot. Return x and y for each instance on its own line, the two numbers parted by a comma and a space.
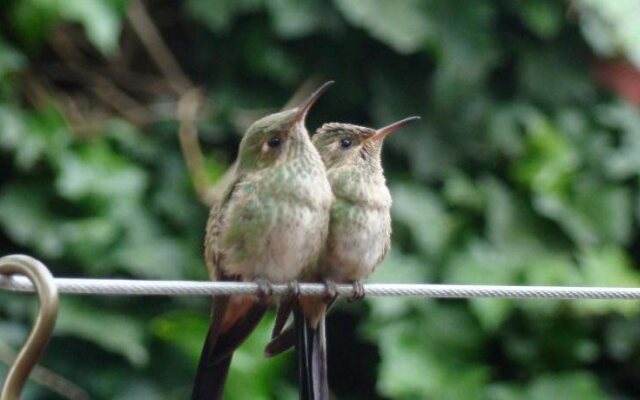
297, 18
607, 266
509, 223
567, 385
596, 215
425, 215
12, 127
417, 360
99, 19
462, 191
621, 339
97, 170
139, 390
544, 18
115, 333
505, 128
25, 218
218, 15
183, 329
467, 53
550, 162
271, 59
608, 208
589, 210
152, 257
32, 20
131, 141
406, 25
89, 239
612, 27
622, 162
11, 60
564, 81
33, 136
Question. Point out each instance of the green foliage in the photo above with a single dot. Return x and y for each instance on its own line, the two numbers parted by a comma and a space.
113, 332
612, 28
101, 20
523, 172
409, 36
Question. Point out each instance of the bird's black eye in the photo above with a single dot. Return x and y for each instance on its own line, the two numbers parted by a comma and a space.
274, 142
345, 143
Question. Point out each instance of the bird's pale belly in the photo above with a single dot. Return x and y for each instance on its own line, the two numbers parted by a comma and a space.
291, 244
357, 244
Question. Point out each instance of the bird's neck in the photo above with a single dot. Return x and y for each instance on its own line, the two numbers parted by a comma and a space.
299, 142
363, 185
302, 150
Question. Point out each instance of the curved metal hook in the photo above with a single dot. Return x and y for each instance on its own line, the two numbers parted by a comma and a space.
45, 322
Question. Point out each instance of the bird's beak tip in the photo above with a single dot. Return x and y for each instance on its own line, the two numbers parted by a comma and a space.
304, 108
389, 129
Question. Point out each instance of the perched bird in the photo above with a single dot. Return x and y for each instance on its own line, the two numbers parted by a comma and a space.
360, 226
270, 226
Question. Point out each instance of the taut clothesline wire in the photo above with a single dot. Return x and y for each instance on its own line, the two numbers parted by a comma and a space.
198, 288
78, 286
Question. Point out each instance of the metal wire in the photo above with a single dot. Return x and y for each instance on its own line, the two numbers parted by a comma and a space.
197, 288
130, 287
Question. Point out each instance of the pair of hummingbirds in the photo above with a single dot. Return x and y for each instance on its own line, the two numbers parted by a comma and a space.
299, 209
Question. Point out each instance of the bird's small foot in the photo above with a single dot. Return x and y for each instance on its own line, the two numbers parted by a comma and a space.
293, 289
330, 290
358, 291
265, 289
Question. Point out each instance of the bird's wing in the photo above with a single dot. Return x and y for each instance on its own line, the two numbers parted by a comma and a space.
282, 316
213, 250
214, 257
234, 317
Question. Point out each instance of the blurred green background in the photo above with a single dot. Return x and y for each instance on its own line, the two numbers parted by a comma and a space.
525, 170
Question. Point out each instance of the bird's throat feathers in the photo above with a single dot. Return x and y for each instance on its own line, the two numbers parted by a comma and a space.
360, 184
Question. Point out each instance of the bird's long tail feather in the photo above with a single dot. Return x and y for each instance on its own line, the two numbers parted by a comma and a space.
304, 388
219, 347
316, 338
210, 377
312, 358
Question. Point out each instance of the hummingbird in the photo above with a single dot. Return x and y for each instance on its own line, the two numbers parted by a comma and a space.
269, 227
360, 223
360, 219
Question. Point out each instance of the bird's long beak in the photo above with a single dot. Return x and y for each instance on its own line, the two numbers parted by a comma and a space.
304, 108
389, 129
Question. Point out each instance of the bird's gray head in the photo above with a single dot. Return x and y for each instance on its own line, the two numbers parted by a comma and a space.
346, 144
269, 140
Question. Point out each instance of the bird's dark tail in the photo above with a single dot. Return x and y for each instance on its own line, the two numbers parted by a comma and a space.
316, 339
312, 358
301, 346
210, 377
218, 349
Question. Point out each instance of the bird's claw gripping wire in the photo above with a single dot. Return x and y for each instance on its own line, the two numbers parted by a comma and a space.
293, 289
330, 290
265, 289
358, 291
